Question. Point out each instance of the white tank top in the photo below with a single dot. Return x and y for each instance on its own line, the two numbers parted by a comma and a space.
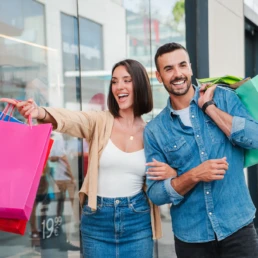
121, 174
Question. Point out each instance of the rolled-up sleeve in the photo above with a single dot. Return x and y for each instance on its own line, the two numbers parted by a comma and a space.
159, 192
244, 127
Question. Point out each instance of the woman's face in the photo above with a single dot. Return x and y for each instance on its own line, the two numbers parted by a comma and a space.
122, 88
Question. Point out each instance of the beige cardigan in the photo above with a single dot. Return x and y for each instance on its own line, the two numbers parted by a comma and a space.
96, 128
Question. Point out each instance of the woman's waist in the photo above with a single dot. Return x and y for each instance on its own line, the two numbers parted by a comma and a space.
121, 201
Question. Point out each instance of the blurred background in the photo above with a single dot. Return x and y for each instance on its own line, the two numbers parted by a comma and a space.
61, 52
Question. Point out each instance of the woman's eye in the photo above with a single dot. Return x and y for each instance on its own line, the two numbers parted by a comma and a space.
113, 82
127, 81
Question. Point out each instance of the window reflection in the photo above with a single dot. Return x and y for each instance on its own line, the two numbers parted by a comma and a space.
62, 57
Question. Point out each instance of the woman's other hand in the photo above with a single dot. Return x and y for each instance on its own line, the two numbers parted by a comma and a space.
26, 108
159, 171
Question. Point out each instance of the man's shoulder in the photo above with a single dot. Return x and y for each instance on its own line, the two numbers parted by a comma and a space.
224, 93
224, 90
156, 121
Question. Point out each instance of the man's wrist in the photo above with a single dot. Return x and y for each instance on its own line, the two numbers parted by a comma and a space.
207, 104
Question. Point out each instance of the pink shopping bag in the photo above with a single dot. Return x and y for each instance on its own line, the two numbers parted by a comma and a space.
22, 156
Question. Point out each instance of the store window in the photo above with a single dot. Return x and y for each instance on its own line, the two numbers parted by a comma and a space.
61, 53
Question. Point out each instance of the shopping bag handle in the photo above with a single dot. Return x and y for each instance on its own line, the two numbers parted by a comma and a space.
10, 109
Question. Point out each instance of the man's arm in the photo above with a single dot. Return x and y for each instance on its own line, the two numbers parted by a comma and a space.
172, 190
209, 170
222, 119
159, 191
236, 122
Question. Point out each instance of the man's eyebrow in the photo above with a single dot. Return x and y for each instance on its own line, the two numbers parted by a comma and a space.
171, 66
167, 66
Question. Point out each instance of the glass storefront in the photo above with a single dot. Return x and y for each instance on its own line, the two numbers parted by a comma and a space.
60, 53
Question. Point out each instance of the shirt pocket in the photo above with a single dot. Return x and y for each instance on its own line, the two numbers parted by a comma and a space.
215, 133
178, 152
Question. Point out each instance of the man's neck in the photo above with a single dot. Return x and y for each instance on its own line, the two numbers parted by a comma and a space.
181, 102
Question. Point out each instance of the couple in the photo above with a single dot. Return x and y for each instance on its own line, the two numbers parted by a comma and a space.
195, 154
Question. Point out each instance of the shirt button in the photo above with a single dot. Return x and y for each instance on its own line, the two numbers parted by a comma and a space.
197, 135
192, 116
207, 192
174, 146
117, 201
202, 152
210, 213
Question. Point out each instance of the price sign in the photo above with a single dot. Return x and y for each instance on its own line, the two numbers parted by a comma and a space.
51, 227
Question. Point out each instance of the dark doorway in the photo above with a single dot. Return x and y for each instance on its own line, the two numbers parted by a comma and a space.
251, 69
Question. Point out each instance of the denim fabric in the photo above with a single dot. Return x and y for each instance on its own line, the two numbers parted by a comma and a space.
120, 227
220, 207
242, 244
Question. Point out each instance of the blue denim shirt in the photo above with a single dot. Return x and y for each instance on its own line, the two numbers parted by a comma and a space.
218, 207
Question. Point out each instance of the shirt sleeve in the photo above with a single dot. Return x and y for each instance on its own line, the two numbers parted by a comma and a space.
244, 126
75, 123
159, 192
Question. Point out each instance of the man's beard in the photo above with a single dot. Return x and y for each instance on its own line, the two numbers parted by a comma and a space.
178, 92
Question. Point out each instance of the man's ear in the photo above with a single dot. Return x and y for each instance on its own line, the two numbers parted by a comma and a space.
159, 77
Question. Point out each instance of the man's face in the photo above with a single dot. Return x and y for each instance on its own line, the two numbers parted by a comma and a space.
175, 72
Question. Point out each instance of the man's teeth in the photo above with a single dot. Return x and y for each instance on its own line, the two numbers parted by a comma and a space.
178, 83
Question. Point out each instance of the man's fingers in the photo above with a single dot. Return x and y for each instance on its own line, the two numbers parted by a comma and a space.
218, 177
221, 172
155, 164
155, 169
155, 178
156, 173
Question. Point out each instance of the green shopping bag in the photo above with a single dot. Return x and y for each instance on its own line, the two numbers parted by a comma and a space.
248, 94
227, 79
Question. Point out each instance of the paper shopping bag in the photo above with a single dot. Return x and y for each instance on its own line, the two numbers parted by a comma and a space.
248, 93
22, 156
16, 226
10, 118
50, 144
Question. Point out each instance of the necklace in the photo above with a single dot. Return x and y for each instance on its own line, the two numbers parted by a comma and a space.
132, 133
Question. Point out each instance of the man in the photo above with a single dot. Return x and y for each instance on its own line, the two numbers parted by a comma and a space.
202, 134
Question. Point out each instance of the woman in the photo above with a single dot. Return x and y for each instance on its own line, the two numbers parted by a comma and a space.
117, 220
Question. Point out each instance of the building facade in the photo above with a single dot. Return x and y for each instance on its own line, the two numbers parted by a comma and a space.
61, 52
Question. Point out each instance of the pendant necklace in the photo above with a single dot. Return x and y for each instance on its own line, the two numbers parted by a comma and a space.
132, 134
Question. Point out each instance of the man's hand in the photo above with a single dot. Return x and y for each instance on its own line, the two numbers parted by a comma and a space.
206, 93
210, 170
160, 171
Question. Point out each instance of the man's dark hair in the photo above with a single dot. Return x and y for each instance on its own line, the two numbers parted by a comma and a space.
167, 48
143, 102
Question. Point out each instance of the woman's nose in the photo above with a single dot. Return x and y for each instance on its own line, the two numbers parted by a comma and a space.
120, 86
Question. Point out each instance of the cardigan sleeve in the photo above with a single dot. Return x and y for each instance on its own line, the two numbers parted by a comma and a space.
75, 123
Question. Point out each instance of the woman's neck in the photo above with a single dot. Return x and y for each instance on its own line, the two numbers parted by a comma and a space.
127, 119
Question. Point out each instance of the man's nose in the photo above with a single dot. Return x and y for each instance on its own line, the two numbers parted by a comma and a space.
177, 72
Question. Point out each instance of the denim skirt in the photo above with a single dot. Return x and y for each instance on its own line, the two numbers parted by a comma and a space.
119, 228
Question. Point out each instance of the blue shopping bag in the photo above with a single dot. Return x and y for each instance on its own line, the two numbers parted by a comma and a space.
9, 118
